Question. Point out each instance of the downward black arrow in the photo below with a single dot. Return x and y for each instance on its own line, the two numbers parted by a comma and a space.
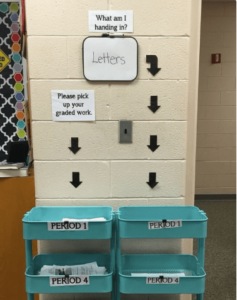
153, 60
74, 145
154, 101
153, 143
75, 179
152, 180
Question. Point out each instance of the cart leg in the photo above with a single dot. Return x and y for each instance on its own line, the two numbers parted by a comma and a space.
201, 252
199, 296
118, 256
117, 288
113, 253
30, 296
28, 247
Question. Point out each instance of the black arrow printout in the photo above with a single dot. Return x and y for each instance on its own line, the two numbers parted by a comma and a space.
154, 104
153, 143
153, 60
74, 145
152, 180
76, 179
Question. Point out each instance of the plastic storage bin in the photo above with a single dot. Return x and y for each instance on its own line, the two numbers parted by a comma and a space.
133, 222
156, 273
192, 283
35, 222
38, 224
40, 284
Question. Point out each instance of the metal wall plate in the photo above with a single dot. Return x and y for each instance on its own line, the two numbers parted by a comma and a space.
125, 131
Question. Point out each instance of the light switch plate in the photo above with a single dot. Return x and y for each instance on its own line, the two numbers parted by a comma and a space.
125, 132
216, 58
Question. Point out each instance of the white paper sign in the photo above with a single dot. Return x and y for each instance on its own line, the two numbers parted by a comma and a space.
110, 21
167, 224
75, 105
70, 226
110, 59
70, 280
164, 280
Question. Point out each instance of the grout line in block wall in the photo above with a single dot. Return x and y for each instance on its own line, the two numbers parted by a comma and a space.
68, 76
110, 179
113, 198
145, 160
134, 35
137, 121
122, 160
108, 83
109, 102
115, 82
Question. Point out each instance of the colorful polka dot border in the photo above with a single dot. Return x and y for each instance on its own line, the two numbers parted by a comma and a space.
17, 67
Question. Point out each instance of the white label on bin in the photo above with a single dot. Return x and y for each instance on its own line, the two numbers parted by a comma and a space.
162, 224
70, 226
69, 280
162, 280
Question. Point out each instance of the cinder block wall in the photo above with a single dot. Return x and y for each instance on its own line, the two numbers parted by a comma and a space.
216, 138
115, 174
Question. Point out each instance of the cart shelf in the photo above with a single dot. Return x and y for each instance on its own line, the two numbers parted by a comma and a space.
41, 284
133, 222
192, 281
35, 223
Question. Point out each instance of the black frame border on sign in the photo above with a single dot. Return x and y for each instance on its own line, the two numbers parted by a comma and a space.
112, 37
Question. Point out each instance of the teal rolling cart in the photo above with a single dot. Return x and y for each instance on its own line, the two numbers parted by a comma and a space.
161, 273
131, 274
45, 223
